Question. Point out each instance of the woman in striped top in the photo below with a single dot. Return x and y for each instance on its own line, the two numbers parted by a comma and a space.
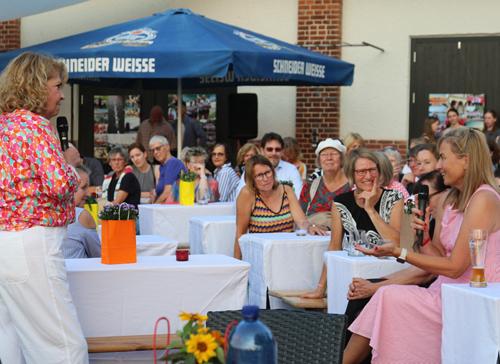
265, 206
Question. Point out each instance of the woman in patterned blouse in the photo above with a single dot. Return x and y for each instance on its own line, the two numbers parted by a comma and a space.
37, 314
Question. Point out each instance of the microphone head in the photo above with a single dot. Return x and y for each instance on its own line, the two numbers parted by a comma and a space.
62, 124
423, 191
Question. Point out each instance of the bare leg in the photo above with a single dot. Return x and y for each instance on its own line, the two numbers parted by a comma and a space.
357, 349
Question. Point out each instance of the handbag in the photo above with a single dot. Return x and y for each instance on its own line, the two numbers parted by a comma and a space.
318, 218
119, 244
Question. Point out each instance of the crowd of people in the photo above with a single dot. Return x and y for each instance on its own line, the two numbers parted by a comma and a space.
43, 192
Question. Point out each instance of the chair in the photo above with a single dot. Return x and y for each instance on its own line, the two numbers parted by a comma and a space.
302, 336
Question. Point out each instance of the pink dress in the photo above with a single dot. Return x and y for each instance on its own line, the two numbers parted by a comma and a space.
404, 322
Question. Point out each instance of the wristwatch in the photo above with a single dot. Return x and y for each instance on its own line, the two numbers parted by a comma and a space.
402, 257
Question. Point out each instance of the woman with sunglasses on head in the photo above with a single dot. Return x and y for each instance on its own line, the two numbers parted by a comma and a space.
293, 155
472, 202
196, 158
264, 205
368, 207
224, 174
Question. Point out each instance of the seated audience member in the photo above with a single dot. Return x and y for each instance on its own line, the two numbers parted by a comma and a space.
472, 202
272, 148
427, 158
353, 141
409, 179
245, 152
293, 155
395, 158
82, 241
224, 174
121, 185
183, 156
196, 158
453, 118
96, 172
170, 167
491, 129
413, 143
494, 152
386, 176
369, 208
431, 127
146, 174
264, 205
317, 196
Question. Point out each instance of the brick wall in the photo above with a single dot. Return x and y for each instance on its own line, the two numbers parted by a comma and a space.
320, 22
376, 145
10, 35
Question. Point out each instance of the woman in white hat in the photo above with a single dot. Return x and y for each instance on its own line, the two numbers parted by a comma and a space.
317, 196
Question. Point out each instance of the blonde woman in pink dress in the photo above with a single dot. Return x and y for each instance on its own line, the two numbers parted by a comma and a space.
402, 324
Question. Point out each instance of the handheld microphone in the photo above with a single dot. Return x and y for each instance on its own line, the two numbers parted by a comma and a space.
423, 197
62, 128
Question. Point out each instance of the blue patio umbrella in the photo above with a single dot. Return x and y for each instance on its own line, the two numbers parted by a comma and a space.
178, 44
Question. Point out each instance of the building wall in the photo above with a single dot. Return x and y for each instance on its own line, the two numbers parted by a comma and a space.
277, 18
10, 35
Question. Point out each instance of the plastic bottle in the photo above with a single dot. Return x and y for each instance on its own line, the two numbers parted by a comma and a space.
251, 342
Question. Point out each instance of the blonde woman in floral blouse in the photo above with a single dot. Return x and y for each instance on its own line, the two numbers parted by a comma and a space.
37, 314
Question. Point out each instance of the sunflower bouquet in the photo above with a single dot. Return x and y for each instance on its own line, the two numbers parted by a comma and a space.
199, 344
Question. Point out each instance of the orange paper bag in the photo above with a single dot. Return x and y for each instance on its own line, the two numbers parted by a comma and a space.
118, 242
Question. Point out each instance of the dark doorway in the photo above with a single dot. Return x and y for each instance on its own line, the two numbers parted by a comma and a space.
452, 65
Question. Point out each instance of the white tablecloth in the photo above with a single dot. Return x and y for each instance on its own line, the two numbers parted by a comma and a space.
151, 245
282, 261
127, 299
212, 235
342, 269
471, 323
172, 221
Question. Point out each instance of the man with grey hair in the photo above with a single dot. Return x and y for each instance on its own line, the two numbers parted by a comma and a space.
170, 168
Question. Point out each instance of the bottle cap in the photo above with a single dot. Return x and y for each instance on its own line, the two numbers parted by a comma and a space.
250, 312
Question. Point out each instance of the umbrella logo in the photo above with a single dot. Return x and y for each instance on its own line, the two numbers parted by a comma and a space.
260, 42
133, 38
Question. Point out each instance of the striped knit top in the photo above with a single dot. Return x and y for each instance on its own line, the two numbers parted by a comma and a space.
264, 220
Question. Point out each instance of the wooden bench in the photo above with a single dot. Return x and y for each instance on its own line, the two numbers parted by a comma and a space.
111, 344
292, 297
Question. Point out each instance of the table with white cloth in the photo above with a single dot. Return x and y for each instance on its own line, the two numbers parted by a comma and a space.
471, 323
341, 269
212, 235
282, 261
127, 299
172, 220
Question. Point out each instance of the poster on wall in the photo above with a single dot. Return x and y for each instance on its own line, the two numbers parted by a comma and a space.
470, 108
115, 122
202, 108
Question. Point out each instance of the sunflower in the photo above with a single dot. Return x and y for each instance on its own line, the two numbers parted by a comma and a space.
202, 346
195, 317
203, 330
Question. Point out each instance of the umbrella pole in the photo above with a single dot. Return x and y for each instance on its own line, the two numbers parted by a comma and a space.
179, 117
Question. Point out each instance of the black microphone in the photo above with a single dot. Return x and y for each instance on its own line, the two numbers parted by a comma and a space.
62, 128
423, 197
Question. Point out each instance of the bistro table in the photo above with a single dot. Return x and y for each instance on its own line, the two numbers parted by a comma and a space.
282, 261
172, 220
127, 299
471, 323
341, 269
212, 235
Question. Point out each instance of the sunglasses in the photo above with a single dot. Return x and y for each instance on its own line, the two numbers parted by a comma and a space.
270, 150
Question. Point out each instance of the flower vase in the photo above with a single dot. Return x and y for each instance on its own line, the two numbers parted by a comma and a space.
186, 193
118, 242
94, 210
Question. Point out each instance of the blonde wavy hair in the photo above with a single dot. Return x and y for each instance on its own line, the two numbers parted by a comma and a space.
23, 82
244, 150
471, 143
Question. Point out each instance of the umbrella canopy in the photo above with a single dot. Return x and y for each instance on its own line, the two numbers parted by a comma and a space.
181, 44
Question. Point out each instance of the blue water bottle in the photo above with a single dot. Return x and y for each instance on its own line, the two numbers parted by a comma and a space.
251, 342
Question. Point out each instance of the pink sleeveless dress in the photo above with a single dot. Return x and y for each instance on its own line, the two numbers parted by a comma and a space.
404, 322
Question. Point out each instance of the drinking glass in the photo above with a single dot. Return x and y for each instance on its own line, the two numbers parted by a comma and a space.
356, 237
478, 241
301, 227
202, 196
98, 190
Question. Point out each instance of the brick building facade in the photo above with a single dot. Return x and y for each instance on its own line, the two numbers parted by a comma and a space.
10, 35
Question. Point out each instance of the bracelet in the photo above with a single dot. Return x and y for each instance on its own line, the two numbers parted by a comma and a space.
427, 241
203, 177
319, 284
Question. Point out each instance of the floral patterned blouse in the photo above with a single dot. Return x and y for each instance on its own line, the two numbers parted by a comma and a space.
36, 185
322, 201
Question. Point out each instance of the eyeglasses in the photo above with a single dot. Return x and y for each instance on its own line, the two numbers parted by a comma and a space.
411, 160
197, 162
362, 172
117, 160
326, 155
220, 155
157, 149
261, 176
270, 150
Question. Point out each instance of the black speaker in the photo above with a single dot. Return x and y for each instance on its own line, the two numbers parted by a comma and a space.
243, 116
